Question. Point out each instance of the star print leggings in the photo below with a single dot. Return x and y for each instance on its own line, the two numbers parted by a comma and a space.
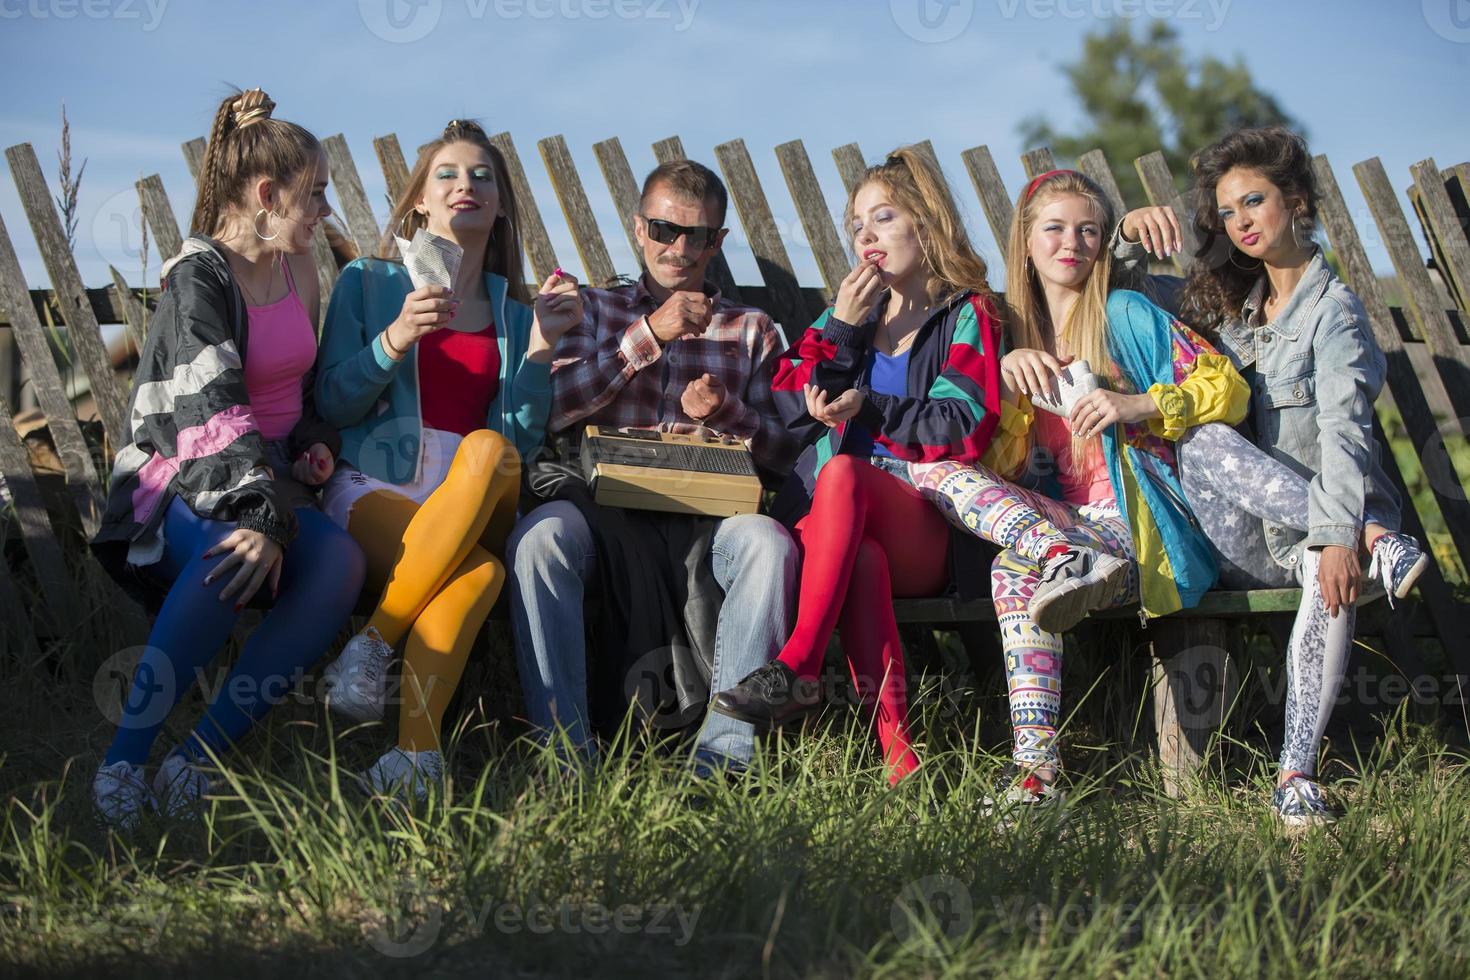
1026, 525
1233, 487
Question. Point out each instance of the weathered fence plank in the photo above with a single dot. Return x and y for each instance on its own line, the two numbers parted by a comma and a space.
1094, 164
622, 186
76, 459
801, 181
1158, 184
850, 165
788, 306
357, 212
1451, 359
534, 239
159, 214
57, 588
572, 197
994, 200
194, 156
1037, 161
395, 170
71, 294
1453, 251
134, 312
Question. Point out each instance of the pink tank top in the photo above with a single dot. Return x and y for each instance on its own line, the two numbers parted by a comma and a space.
1080, 485
282, 348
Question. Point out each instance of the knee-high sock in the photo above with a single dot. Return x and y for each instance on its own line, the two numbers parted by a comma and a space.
439, 645
1316, 659
875, 656
475, 504
984, 504
855, 500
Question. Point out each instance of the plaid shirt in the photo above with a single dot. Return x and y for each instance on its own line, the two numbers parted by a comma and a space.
611, 371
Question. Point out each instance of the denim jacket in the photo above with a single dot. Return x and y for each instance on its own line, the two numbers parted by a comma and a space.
1315, 372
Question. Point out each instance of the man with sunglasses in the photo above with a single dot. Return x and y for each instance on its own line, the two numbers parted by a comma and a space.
667, 350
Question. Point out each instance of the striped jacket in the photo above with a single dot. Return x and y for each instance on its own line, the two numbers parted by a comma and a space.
954, 362
191, 429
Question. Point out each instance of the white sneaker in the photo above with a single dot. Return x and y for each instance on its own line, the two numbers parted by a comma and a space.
357, 681
1074, 583
399, 772
179, 786
119, 793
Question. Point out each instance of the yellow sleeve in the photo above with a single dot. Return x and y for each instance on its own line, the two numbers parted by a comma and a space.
1008, 449
1213, 392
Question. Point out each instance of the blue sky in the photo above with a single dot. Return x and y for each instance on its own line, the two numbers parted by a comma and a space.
139, 77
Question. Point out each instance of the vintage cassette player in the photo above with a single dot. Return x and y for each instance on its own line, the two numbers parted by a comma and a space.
681, 473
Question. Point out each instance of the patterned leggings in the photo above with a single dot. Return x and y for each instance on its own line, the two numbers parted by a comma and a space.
1233, 486
1026, 525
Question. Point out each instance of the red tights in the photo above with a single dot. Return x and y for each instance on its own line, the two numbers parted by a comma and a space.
869, 537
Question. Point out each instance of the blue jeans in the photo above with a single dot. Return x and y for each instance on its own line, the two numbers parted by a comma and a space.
552, 556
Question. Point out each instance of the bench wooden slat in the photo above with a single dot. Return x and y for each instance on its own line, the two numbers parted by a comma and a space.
577, 210
71, 294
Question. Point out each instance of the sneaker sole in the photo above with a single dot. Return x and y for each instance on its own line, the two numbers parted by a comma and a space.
1411, 576
762, 724
1068, 604
1305, 821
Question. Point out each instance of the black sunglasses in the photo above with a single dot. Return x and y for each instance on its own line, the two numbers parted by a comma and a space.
667, 233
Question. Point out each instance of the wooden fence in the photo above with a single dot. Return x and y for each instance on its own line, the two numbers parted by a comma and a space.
1424, 340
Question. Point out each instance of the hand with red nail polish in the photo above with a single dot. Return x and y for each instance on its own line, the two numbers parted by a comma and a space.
256, 560
314, 467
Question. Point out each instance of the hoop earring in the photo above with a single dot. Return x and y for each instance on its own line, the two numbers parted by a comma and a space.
255, 225
1243, 268
1295, 237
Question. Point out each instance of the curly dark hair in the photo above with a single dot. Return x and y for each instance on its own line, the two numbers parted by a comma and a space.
1221, 275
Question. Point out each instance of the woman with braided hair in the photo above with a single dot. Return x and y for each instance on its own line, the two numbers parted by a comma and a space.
212, 500
438, 391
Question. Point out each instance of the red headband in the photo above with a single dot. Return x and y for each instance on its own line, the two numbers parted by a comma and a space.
1031, 187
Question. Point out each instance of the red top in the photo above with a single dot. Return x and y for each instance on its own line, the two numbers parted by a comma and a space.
459, 375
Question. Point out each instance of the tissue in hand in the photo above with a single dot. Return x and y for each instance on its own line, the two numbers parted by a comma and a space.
1074, 381
430, 259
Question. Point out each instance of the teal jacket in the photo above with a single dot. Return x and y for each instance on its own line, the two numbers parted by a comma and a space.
1193, 384
374, 400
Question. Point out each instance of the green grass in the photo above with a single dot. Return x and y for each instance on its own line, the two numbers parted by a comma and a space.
810, 866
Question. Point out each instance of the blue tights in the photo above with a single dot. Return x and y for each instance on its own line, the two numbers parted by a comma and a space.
320, 580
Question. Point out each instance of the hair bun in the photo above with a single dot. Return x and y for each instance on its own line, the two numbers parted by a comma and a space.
463, 128
253, 105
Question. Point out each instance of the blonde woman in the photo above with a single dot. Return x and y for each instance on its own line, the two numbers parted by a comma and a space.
1107, 522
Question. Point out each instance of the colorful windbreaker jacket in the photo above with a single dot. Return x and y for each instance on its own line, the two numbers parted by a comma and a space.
191, 430
1192, 384
954, 362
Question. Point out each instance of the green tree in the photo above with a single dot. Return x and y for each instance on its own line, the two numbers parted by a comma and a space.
1146, 93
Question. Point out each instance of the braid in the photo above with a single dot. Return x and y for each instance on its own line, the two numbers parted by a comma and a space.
207, 202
